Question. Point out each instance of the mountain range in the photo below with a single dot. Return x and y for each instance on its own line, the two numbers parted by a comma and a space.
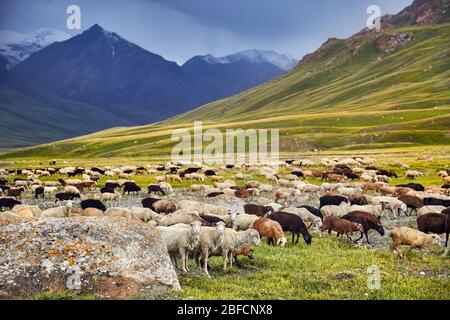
132, 85
373, 90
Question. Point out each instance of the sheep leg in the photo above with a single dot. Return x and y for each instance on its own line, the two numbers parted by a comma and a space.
293, 238
205, 263
225, 259
367, 237
298, 237
183, 259
362, 235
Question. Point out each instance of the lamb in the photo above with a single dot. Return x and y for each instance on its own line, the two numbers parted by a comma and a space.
211, 239
58, 212
412, 238
233, 241
271, 230
39, 192
430, 209
180, 240
257, 210
367, 220
292, 223
310, 219
341, 226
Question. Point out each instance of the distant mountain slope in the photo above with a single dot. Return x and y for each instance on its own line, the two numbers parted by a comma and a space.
101, 68
31, 115
16, 47
226, 76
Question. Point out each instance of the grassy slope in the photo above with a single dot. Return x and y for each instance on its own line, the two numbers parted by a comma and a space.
44, 116
335, 101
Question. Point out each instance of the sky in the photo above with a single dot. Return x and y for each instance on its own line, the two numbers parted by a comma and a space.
181, 29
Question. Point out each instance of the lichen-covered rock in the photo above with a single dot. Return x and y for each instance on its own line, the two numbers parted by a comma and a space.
111, 258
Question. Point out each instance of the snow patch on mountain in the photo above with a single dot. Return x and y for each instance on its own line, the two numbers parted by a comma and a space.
256, 56
16, 46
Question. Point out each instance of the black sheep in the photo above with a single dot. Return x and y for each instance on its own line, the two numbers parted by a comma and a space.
359, 200
257, 210
107, 190
212, 220
65, 196
372, 168
112, 185
229, 166
292, 223
148, 203
436, 202
367, 220
214, 194
3, 182
8, 203
131, 187
155, 189
438, 223
191, 170
93, 203
210, 173
298, 174
387, 173
98, 170
16, 192
332, 200
414, 186
314, 211
351, 175
39, 192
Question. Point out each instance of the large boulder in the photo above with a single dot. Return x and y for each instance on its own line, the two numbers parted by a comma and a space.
110, 258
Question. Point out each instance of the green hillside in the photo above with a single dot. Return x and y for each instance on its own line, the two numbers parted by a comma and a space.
31, 115
373, 90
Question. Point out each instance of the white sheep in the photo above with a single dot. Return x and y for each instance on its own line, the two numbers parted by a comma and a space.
233, 240
181, 240
58, 212
34, 209
146, 215
425, 210
107, 196
244, 221
392, 204
308, 218
211, 239
176, 218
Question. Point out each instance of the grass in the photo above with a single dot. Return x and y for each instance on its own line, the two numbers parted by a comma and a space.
328, 269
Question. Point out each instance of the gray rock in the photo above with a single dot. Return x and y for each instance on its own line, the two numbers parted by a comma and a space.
110, 258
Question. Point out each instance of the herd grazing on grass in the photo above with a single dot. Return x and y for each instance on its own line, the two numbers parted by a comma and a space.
203, 211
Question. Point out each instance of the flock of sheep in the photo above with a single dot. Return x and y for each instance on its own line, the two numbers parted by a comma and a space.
214, 216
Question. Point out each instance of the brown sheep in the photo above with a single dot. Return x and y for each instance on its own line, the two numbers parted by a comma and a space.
244, 193
164, 206
341, 226
412, 238
271, 230
412, 202
92, 212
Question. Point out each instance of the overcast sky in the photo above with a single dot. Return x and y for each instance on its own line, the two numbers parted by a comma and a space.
181, 29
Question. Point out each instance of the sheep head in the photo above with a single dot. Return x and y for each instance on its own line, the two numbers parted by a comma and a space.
281, 241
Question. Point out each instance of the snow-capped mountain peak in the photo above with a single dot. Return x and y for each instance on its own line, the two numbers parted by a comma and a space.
257, 56
16, 46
